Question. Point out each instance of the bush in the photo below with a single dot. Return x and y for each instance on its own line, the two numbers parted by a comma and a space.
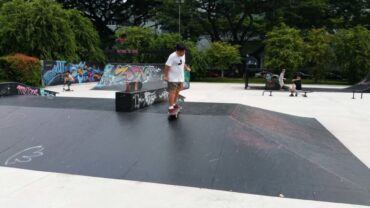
21, 68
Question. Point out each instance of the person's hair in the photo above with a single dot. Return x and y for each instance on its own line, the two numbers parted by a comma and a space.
180, 47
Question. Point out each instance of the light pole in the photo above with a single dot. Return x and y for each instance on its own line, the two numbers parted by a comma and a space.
180, 2
246, 71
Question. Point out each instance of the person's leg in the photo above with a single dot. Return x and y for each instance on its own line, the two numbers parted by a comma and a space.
69, 84
178, 89
172, 98
171, 94
292, 90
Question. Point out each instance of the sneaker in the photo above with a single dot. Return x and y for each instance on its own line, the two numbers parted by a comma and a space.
291, 95
171, 111
176, 106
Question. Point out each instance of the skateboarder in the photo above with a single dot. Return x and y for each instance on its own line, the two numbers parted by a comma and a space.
175, 76
68, 79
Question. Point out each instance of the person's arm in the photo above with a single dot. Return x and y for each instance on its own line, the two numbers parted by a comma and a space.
166, 69
187, 68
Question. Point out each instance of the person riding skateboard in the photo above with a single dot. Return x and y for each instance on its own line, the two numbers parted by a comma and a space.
175, 76
68, 79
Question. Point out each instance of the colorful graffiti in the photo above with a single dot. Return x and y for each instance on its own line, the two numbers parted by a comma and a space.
128, 101
121, 76
13, 88
24, 90
129, 77
53, 72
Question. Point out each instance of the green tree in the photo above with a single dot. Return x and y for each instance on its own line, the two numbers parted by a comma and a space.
352, 48
223, 55
346, 14
197, 59
43, 29
166, 15
104, 13
235, 21
284, 49
134, 38
38, 28
162, 45
87, 39
319, 53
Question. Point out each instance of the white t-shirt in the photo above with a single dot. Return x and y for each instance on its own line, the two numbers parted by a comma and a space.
176, 65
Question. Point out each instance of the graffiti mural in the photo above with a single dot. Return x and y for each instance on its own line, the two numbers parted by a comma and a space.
13, 88
53, 72
24, 90
130, 77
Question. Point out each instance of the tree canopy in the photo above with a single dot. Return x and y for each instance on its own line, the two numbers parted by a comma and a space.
42, 28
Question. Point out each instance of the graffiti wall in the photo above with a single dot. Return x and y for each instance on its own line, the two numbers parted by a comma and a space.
126, 102
53, 72
9, 89
134, 77
130, 77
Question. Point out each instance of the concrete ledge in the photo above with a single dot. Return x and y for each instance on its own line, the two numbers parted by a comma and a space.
131, 101
14, 88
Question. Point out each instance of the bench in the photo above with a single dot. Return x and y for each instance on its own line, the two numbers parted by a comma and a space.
362, 91
303, 92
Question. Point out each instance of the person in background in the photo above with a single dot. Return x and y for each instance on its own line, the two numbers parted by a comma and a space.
68, 79
281, 79
296, 85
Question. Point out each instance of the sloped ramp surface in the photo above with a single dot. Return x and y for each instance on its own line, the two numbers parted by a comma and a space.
216, 146
364, 85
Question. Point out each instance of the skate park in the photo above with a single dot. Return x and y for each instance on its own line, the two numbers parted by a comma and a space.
184, 104
227, 139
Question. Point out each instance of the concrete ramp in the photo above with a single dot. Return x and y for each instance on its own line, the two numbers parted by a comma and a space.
215, 146
364, 85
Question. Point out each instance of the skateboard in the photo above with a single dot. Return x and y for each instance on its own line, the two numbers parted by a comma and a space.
67, 90
174, 115
302, 92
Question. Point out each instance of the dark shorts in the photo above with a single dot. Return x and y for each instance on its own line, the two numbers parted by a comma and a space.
174, 86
